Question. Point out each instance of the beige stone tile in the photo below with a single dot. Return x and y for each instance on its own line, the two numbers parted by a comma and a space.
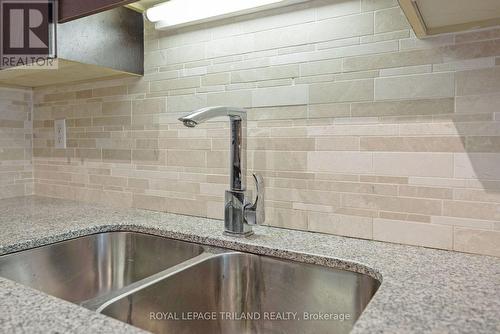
106, 180
340, 162
187, 102
418, 234
109, 91
184, 54
84, 94
394, 204
404, 216
391, 19
395, 59
415, 86
477, 35
437, 182
176, 186
138, 183
350, 143
350, 226
347, 91
321, 67
219, 159
383, 179
464, 65
8, 154
477, 241
146, 143
329, 110
294, 219
311, 207
280, 96
404, 108
371, 5
234, 98
287, 183
216, 79
477, 195
342, 27
463, 222
52, 190
186, 158
478, 81
477, 165
214, 189
148, 202
117, 108
117, 154
337, 43
281, 144
353, 50
59, 96
475, 210
149, 106
408, 70
386, 36
477, 103
425, 192
269, 160
413, 164
431, 42
356, 75
185, 144
337, 8
413, 144
146, 155
352, 187
273, 113
186, 206
275, 83
483, 144
354, 130
420, 57
111, 121
266, 73
215, 210
172, 84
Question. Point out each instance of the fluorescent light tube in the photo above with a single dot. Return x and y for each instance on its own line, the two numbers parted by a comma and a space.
179, 13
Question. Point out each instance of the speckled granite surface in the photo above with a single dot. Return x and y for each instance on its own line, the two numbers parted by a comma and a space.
422, 291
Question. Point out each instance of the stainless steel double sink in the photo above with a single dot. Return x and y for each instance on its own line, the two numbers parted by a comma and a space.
169, 286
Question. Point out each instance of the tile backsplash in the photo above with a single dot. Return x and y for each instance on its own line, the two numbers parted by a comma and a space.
16, 169
359, 128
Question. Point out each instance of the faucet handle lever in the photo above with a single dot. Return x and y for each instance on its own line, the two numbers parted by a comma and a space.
254, 213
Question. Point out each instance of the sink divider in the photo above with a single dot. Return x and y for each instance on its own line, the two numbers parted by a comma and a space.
100, 302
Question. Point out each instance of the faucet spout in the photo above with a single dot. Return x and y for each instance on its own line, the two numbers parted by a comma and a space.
238, 214
238, 149
204, 114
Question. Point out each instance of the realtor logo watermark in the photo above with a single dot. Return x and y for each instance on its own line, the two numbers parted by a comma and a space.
28, 33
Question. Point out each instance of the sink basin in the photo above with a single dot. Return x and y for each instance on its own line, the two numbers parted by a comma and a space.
225, 289
169, 286
84, 268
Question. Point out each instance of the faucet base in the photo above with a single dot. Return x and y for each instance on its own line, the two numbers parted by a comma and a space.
238, 235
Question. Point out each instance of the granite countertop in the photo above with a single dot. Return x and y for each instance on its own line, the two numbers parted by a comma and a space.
422, 291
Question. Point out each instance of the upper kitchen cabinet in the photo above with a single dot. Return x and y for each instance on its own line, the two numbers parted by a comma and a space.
432, 17
91, 44
74, 9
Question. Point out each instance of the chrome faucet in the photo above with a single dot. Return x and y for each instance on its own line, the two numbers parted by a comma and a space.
239, 213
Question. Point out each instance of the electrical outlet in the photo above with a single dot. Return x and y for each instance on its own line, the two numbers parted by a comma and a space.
60, 133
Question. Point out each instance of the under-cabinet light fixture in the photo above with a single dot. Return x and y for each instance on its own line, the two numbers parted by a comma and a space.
180, 13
